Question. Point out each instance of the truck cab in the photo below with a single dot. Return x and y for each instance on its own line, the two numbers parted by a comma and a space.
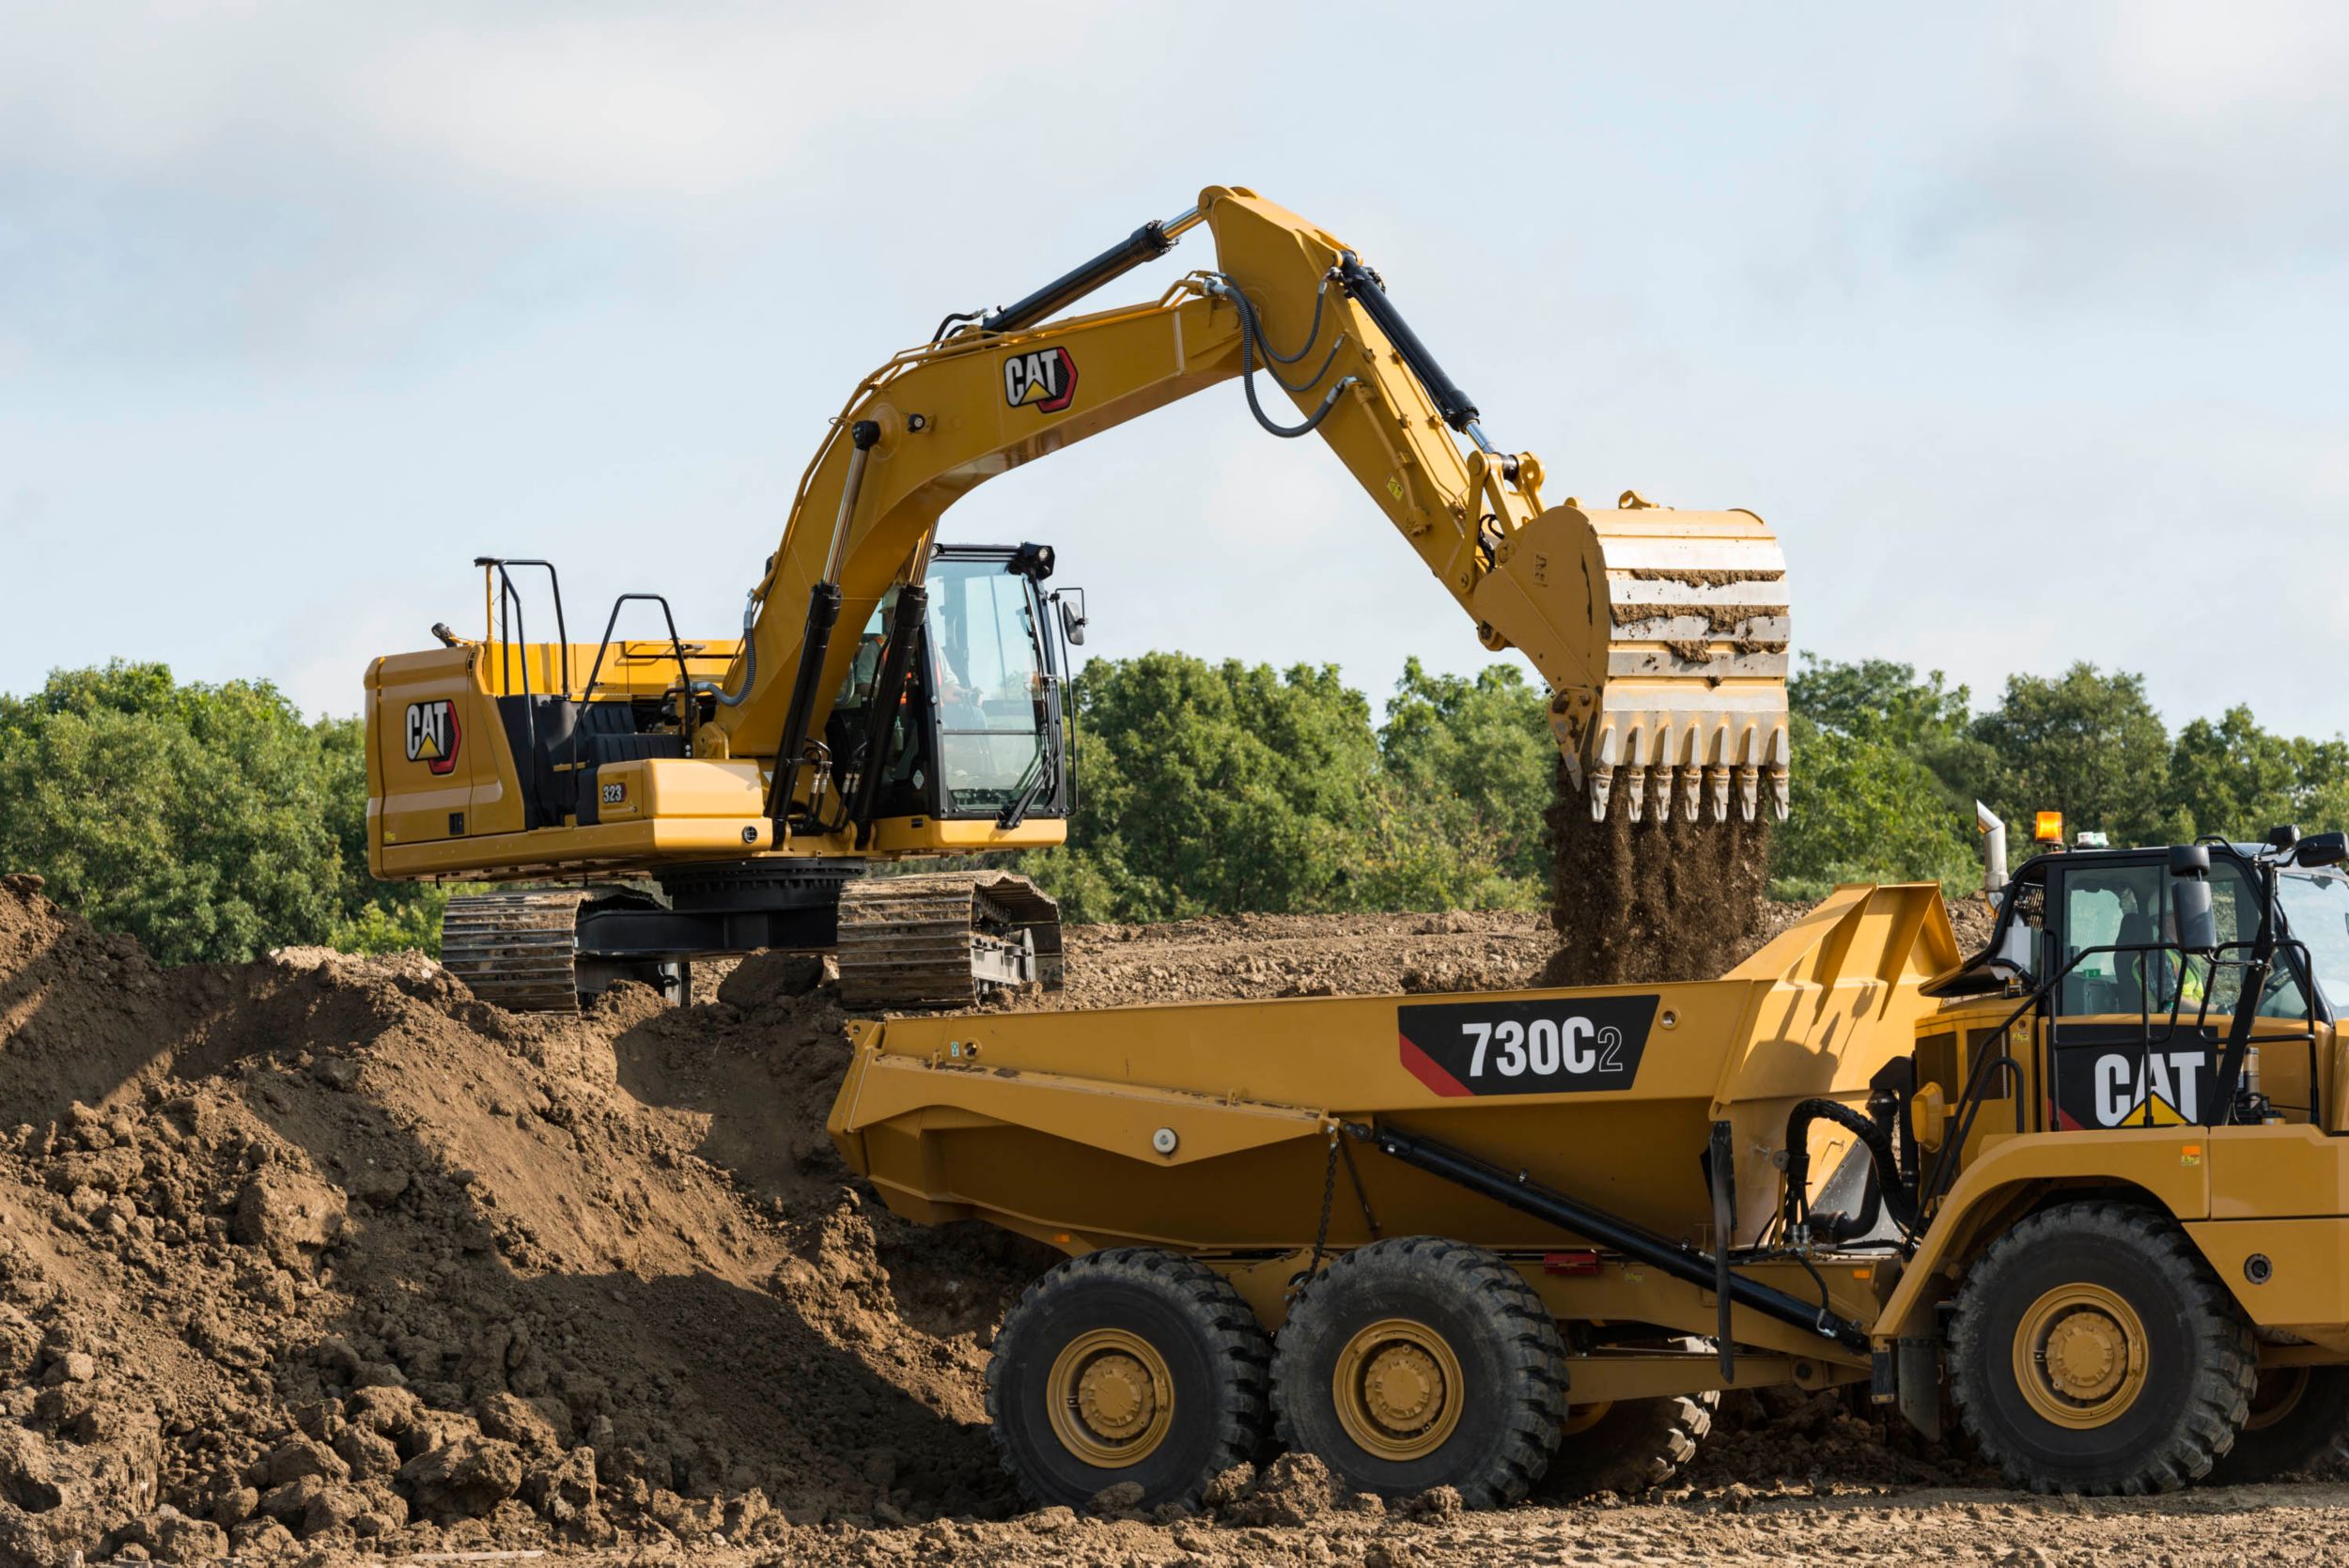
2090, 1009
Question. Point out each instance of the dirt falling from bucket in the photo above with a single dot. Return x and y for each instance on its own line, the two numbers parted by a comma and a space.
1640, 902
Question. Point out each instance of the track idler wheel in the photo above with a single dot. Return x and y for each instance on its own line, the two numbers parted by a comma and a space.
1418, 1362
1130, 1365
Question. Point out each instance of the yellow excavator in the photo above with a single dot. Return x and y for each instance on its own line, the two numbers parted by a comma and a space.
695, 796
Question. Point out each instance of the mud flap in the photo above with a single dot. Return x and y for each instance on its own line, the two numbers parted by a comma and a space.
1917, 1394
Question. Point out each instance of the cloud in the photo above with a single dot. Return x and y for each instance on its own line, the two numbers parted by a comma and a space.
2183, 148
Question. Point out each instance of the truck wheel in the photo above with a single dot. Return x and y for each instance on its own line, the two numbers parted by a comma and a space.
1419, 1363
2299, 1417
2094, 1351
1629, 1446
1130, 1365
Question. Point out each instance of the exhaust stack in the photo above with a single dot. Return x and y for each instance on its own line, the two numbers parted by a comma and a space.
1992, 826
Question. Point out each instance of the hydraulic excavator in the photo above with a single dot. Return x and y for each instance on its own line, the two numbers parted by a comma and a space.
708, 796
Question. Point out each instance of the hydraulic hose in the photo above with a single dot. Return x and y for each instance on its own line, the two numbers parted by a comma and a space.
1897, 1195
750, 662
1250, 340
1312, 334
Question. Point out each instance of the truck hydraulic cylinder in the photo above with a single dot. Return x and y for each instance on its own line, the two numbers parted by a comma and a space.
1611, 1231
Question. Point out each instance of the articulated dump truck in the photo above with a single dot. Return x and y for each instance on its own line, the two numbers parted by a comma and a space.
2084, 1192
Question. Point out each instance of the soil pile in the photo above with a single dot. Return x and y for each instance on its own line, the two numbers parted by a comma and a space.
325, 1253
1292, 955
324, 1249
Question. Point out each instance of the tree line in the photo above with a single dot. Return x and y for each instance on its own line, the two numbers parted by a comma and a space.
214, 821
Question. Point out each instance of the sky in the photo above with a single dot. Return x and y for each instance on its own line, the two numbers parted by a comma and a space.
2024, 326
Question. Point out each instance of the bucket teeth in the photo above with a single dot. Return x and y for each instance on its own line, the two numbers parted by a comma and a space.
1602, 786
1687, 679
1777, 793
1635, 792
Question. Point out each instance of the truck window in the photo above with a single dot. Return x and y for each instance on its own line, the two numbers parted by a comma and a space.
2106, 907
2124, 906
2235, 902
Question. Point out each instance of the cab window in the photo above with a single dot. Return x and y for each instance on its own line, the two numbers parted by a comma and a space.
2108, 906
2128, 905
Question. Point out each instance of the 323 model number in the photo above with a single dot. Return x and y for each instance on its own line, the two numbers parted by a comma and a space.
1553, 1044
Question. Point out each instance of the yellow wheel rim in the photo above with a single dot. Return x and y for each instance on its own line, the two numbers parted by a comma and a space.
2276, 1395
1581, 1418
1398, 1389
2079, 1356
1111, 1398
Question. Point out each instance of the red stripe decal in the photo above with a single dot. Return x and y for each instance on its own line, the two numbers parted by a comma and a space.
1428, 1071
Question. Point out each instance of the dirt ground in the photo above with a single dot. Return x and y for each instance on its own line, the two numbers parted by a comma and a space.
321, 1259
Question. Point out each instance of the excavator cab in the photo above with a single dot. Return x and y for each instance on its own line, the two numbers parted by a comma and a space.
981, 720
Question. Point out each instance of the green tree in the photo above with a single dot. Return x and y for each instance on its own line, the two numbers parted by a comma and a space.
2232, 777
1210, 788
2086, 744
1220, 788
1470, 759
1871, 796
210, 822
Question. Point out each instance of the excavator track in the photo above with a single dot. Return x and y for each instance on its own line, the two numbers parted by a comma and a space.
516, 949
945, 940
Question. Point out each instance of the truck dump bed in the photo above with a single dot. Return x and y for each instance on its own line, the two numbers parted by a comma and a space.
1206, 1127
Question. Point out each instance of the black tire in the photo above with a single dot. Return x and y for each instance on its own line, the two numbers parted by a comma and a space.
1630, 1446
2299, 1420
1213, 1357
2130, 1433
1493, 1439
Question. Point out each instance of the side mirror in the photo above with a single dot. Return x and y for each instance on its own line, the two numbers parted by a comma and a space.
2014, 948
1072, 616
2189, 905
2322, 849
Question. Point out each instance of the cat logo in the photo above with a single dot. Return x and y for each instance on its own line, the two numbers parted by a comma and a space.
1046, 379
432, 734
2137, 1088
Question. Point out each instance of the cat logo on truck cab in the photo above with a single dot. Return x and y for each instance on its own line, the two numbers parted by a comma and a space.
432, 734
1045, 379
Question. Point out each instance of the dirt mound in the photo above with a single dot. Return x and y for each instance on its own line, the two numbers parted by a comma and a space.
325, 1250
1291, 956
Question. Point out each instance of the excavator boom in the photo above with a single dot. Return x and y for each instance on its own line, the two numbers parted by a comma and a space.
1662, 634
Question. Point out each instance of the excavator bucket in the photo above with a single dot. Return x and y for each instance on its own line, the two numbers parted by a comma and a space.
1669, 687
1694, 708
